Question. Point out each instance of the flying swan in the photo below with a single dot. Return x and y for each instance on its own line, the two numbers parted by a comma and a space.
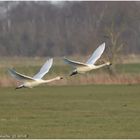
36, 80
80, 67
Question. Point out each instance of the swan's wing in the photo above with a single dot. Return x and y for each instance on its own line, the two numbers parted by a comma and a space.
19, 76
96, 54
44, 69
74, 63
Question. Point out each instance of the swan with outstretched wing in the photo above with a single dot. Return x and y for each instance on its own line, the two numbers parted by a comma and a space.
35, 80
80, 67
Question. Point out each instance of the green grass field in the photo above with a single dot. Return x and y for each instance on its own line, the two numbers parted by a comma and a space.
123, 72
91, 111
31, 65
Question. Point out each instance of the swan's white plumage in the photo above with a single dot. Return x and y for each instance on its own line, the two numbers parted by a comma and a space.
90, 64
96, 54
37, 79
74, 63
19, 76
44, 69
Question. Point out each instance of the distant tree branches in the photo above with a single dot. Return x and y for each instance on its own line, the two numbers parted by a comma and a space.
44, 29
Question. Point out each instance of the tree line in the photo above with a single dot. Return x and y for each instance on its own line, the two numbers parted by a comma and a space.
68, 28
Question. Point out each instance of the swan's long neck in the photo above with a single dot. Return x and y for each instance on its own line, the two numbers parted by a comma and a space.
102, 65
51, 80
38, 82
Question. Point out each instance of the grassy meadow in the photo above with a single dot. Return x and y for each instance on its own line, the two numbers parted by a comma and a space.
91, 111
104, 103
125, 71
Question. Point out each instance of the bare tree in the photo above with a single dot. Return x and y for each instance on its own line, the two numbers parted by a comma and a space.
115, 46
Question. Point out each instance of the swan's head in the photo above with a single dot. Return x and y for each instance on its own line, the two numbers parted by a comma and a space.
108, 63
73, 73
59, 78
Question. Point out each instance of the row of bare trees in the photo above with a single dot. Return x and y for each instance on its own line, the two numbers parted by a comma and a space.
68, 27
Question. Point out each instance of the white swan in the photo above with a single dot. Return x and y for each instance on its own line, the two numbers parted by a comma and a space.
36, 80
80, 67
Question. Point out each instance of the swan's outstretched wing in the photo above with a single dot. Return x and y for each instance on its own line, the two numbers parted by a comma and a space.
44, 69
96, 54
74, 63
19, 76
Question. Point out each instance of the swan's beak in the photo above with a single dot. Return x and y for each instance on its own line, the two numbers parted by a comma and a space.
73, 73
110, 64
